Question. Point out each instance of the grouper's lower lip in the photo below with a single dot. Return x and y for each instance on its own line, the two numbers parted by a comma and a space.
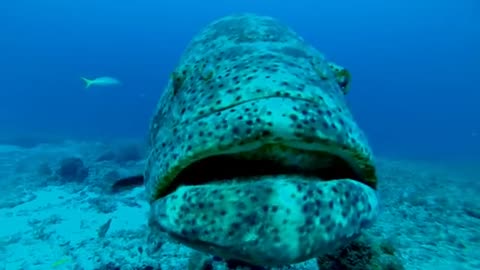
268, 220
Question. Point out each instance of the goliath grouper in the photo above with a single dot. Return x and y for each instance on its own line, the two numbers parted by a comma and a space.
254, 154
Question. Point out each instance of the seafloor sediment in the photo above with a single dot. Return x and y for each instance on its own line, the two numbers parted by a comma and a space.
57, 211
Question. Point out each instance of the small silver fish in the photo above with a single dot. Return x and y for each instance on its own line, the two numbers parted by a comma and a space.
101, 81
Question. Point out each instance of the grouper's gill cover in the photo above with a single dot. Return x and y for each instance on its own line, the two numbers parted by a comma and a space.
249, 86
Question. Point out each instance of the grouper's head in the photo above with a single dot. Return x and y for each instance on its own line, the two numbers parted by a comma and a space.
255, 155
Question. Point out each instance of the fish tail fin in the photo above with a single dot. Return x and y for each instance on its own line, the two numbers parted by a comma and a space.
88, 82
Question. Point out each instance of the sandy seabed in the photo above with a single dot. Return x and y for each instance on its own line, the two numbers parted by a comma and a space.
430, 212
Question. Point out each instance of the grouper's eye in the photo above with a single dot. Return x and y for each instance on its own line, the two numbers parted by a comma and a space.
343, 80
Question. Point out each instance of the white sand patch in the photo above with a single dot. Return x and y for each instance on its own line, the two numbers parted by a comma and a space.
39, 232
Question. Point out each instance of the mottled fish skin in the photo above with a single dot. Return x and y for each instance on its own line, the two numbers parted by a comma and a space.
251, 87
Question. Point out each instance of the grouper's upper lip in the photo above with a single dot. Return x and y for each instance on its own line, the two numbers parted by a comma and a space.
367, 166
212, 109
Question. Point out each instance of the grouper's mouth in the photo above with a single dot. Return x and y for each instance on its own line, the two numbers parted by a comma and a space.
275, 143
268, 160
275, 188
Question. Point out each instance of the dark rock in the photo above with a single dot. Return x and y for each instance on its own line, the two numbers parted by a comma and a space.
362, 254
72, 169
234, 264
109, 266
127, 183
472, 210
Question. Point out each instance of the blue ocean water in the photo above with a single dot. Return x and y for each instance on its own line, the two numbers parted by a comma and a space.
415, 67
415, 64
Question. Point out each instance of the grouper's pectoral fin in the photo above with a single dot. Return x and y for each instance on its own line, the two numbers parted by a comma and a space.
127, 183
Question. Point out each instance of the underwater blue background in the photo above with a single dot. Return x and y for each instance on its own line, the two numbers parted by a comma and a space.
415, 65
